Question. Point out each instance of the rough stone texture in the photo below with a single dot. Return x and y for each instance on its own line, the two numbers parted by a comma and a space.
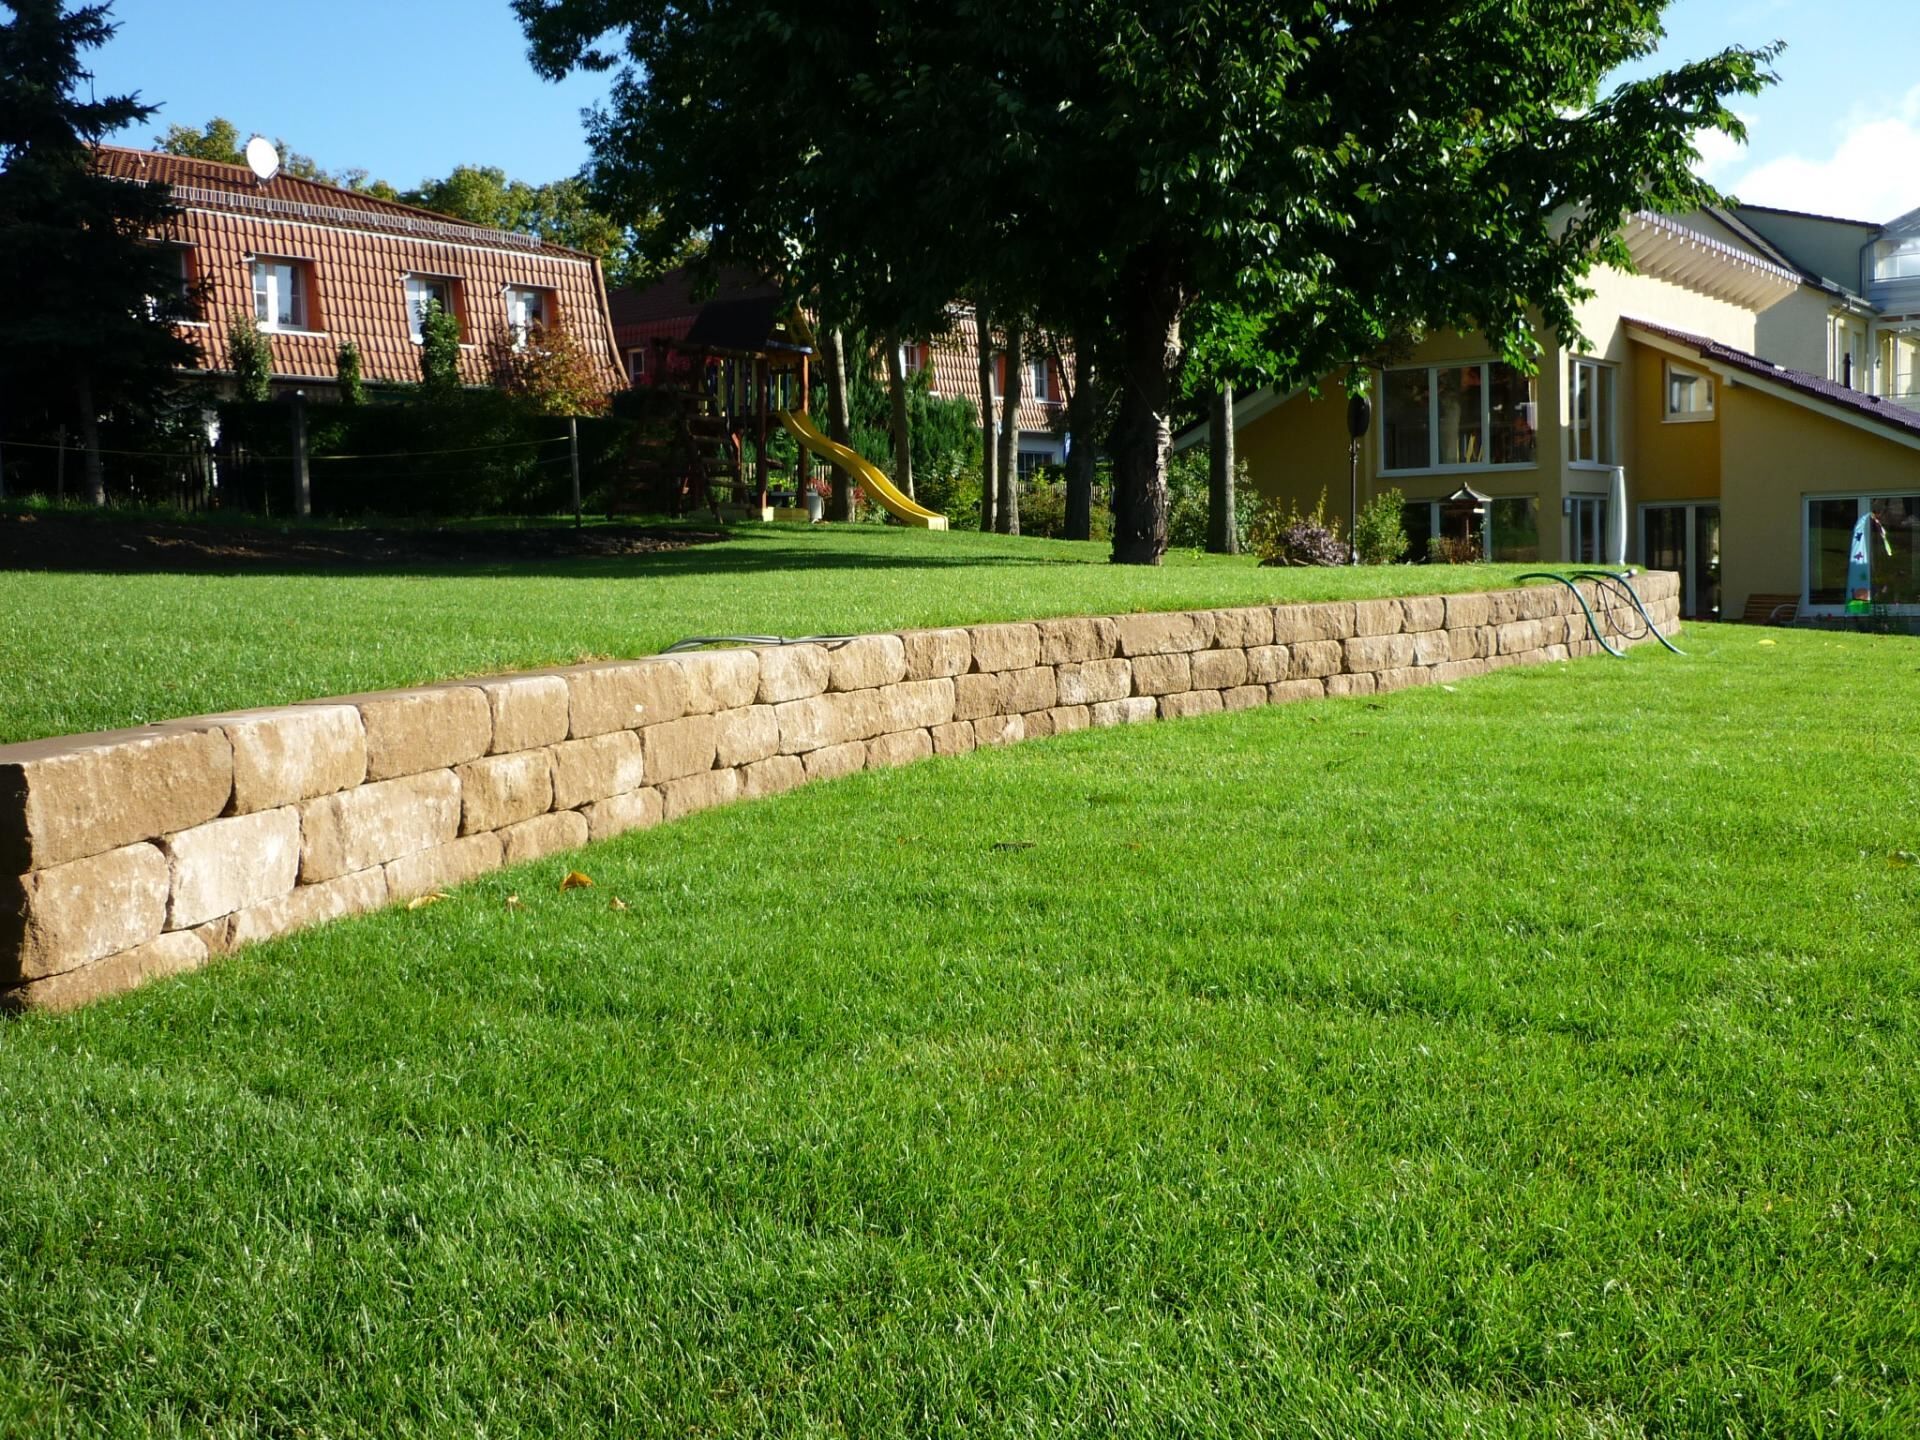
699, 792
1000, 729
866, 662
1162, 674
290, 754
358, 829
771, 776
836, 760
1028, 690
1293, 624
1431, 647
792, 672
528, 711
544, 835
444, 866
431, 728
1037, 726
623, 695
975, 696
1095, 681
1285, 692
309, 905
228, 865
1135, 710
1219, 669
745, 735
1364, 683
861, 714
1459, 670
1474, 642
808, 724
1516, 636
719, 680
1267, 664
1190, 702
168, 955
1314, 659
1423, 612
1068, 718
954, 739
1378, 617
678, 748
1465, 611
1005, 647
1243, 629
504, 789
1244, 697
1378, 652
82, 795
900, 748
616, 815
1064, 642
68, 915
913, 705
595, 769
1406, 677
1180, 631
937, 654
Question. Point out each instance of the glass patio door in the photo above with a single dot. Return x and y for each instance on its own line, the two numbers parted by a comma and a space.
1686, 539
1587, 531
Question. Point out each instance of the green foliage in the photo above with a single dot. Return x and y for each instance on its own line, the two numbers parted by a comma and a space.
250, 357
1379, 531
1189, 500
1284, 534
439, 350
346, 369
220, 140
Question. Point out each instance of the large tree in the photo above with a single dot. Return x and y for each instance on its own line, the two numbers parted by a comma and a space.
1341, 169
91, 327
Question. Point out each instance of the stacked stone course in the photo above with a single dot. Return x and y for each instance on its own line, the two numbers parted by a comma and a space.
133, 854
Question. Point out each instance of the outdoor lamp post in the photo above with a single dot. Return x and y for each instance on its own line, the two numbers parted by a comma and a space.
1359, 417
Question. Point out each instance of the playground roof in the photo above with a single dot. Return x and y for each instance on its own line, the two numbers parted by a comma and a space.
750, 325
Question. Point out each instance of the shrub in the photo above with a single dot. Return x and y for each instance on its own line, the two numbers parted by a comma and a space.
439, 350
346, 369
1188, 501
251, 359
551, 373
1454, 550
1284, 535
1379, 533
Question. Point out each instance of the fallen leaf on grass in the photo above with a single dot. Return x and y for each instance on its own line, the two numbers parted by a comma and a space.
1902, 859
576, 881
432, 897
617, 904
513, 903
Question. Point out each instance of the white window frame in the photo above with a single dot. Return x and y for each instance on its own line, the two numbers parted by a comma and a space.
1478, 467
1587, 370
1038, 379
1864, 499
517, 329
1670, 416
1689, 589
267, 267
421, 280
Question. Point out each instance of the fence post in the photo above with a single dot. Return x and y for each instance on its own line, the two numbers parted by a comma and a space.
302, 482
60, 467
573, 443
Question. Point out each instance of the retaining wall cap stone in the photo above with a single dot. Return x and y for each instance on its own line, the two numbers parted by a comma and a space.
428, 727
792, 672
528, 710
624, 695
934, 654
1014, 646
719, 680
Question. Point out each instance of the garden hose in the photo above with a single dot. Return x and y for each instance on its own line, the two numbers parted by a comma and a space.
696, 642
1624, 579
1592, 624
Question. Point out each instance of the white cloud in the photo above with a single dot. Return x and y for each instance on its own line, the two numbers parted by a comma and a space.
1872, 173
1720, 153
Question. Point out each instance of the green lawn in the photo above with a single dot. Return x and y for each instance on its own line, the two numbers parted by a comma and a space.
1534, 1057
99, 651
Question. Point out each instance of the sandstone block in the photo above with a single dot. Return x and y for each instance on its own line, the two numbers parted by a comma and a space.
1470, 642
1517, 635
902, 747
719, 680
1175, 632
501, 790
808, 724
691, 793
1005, 647
309, 905
1038, 725
596, 768
358, 829
1068, 718
432, 728
1162, 674
1554, 654
771, 776
975, 696
1501, 662
1267, 664
867, 661
1465, 611
1244, 628
1378, 652
1064, 642
914, 705
999, 729
1135, 710
956, 738
1378, 617
623, 695
1365, 683
1313, 659
1293, 624
228, 865
290, 754
543, 835
168, 955
1537, 602
82, 795
743, 736
1094, 681
69, 915
1023, 691
833, 761
792, 672
1431, 647
1219, 669
937, 654
443, 866
1285, 692
678, 748
1190, 702
617, 814
529, 711
861, 714
1503, 607
1244, 697
1405, 677
1454, 670
1424, 612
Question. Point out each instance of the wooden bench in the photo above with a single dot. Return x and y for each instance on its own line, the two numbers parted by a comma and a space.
1771, 610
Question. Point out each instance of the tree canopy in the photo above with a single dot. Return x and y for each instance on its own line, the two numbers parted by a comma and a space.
1327, 174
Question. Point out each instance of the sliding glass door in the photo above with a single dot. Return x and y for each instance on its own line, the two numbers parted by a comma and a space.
1685, 538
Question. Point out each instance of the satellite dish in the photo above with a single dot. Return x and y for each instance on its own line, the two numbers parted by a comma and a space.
262, 158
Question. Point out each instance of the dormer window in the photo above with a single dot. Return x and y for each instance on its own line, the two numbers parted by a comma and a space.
1897, 259
282, 294
1689, 394
529, 309
422, 291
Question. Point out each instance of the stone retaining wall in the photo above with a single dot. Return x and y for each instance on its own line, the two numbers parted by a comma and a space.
141, 853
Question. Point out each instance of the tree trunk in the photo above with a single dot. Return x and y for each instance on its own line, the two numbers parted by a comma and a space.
902, 434
96, 479
1083, 411
1007, 522
1223, 537
989, 491
839, 426
1142, 437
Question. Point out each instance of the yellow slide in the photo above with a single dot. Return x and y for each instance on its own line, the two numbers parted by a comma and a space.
876, 484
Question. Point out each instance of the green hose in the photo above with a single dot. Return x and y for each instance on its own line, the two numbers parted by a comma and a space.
1624, 579
1592, 624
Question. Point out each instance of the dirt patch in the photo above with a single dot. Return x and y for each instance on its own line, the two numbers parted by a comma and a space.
67, 542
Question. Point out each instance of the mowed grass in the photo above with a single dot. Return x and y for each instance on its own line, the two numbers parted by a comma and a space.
85, 652
1532, 1058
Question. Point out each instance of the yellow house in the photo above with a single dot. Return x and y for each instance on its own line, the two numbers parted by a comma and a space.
1753, 402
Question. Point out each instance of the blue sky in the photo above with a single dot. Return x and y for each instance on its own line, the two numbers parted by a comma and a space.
411, 88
